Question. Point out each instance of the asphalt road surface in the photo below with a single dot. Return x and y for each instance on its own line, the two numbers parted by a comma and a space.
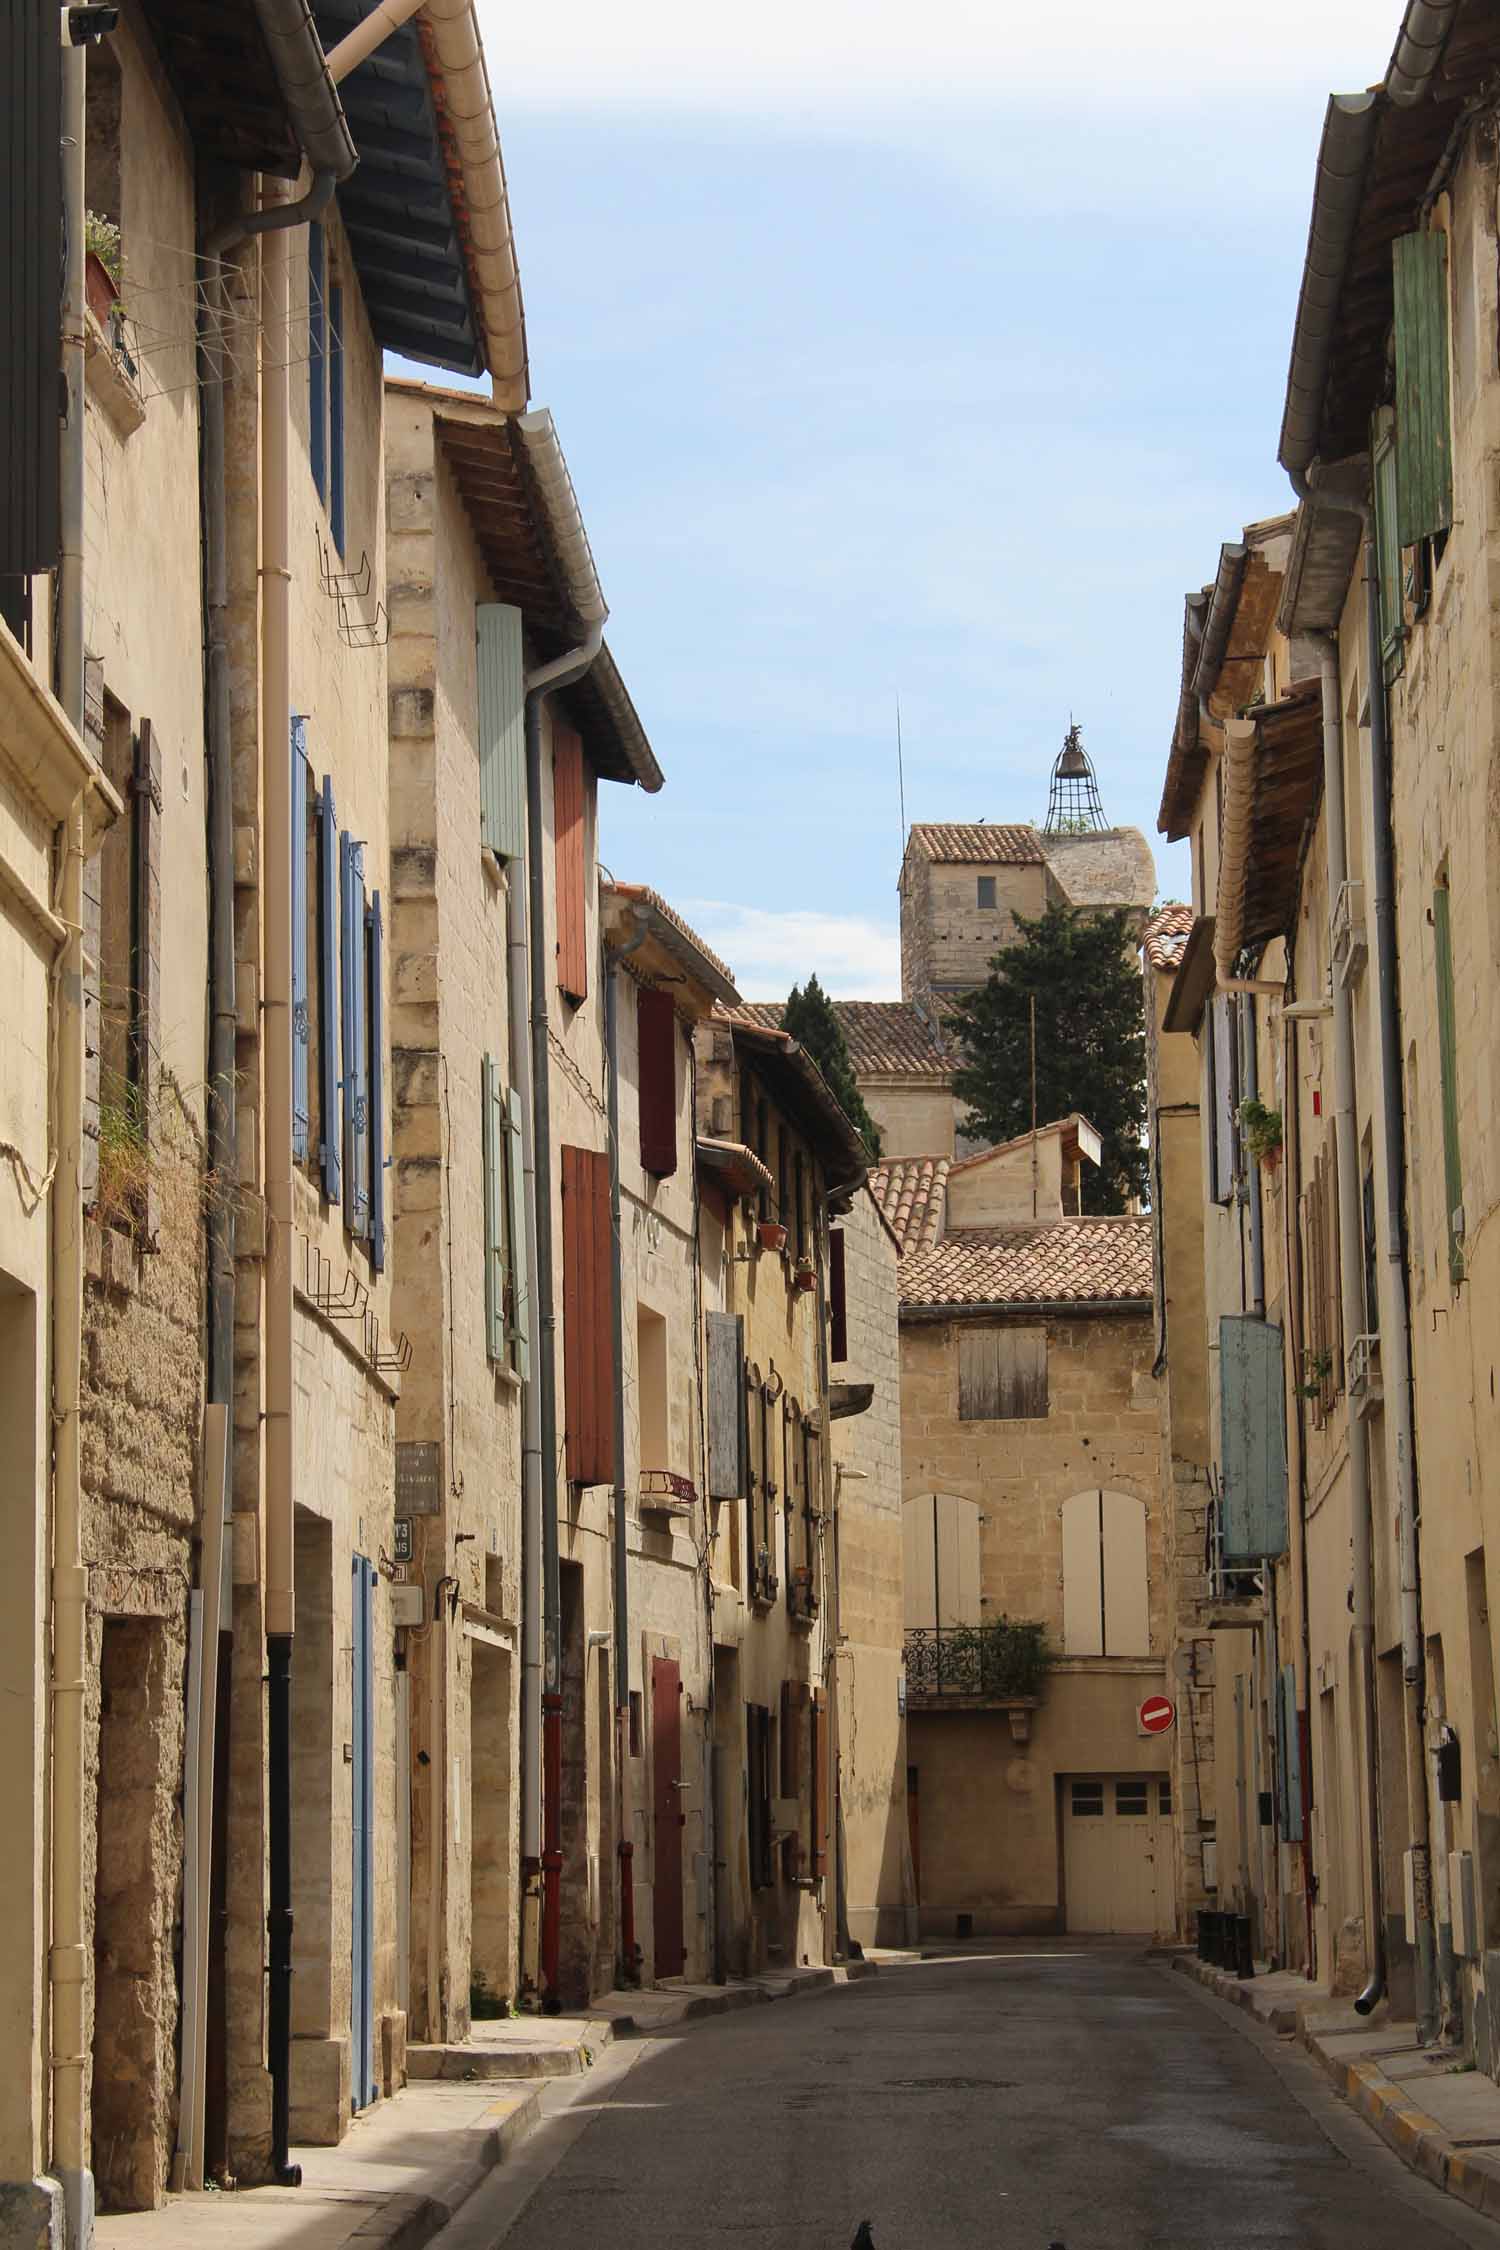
1005, 2101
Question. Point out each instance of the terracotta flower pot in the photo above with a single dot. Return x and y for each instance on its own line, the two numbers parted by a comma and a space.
771, 1235
805, 1278
99, 288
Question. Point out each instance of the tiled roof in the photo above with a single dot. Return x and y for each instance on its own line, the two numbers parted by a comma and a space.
992, 843
911, 1194
645, 896
1063, 1261
883, 1037
1167, 934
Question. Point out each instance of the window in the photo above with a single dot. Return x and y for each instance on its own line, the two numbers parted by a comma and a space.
500, 675
940, 1552
838, 1313
656, 1057
651, 1389
1453, 1177
505, 1290
588, 1358
1088, 1800
987, 890
758, 1795
1372, 1284
325, 380
1105, 1596
1002, 1374
1164, 1798
1132, 1800
762, 1483
572, 905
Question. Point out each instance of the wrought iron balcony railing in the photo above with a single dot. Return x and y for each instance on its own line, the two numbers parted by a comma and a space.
1006, 1660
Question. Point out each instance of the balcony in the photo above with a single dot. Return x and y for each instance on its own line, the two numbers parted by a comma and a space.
1001, 1663
664, 1493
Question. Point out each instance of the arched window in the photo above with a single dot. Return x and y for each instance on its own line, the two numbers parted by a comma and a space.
1106, 1609
942, 1561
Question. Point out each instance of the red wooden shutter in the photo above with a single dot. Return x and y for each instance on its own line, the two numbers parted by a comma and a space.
838, 1312
588, 1357
656, 1040
567, 820
819, 1784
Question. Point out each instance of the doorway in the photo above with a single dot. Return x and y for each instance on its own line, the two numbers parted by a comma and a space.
362, 1838
492, 1949
668, 1819
1117, 1854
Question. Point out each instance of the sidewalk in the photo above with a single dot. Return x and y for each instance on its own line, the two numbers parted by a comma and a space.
407, 2166
1439, 2115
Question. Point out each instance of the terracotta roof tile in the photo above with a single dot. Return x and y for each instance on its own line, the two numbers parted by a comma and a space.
1167, 934
644, 893
911, 1194
884, 1037
991, 843
1064, 1261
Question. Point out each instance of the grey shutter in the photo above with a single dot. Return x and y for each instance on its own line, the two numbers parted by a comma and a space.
30, 252
493, 1130
329, 1013
726, 1410
1223, 1122
1424, 443
1387, 545
502, 729
356, 1100
375, 935
1252, 1451
301, 1021
1289, 1755
520, 1271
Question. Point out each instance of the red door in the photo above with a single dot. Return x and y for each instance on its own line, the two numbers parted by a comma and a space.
666, 1765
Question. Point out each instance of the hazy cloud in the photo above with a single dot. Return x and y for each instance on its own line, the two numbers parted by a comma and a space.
852, 958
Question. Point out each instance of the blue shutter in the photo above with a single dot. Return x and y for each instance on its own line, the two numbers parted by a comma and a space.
502, 729
317, 361
336, 415
301, 1026
1289, 1755
493, 1129
1252, 1452
356, 1097
376, 935
330, 1124
520, 1272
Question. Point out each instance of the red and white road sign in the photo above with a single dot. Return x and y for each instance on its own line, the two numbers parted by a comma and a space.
1156, 1715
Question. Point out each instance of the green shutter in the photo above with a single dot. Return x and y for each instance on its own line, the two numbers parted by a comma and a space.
1289, 1755
1252, 1446
520, 1310
502, 729
1424, 456
1387, 545
493, 1126
1453, 1176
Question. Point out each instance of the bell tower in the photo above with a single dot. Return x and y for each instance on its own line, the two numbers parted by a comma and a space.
1073, 806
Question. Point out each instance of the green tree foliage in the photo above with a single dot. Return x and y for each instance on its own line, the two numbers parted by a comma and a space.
812, 1020
1090, 1043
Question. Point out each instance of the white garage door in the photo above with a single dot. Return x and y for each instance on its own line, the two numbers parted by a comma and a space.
1117, 1854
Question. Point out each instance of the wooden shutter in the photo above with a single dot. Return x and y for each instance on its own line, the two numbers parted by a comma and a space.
656, 1044
838, 1307
30, 236
588, 1355
501, 666
336, 415
356, 1102
1252, 1439
1002, 1374
1387, 543
317, 360
493, 1128
1223, 1123
329, 1011
375, 938
1122, 1548
758, 1794
956, 1570
1453, 1177
1424, 445
1083, 1576
1289, 1755
726, 1410
818, 1782
568, 827
301, 1011
520, 1271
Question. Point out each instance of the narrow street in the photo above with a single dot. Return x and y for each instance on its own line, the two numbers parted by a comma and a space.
1037, 2097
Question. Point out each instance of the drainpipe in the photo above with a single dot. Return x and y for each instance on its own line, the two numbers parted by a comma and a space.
531, 1450
630, 1966
1395, 1344
560, 673
68, 1956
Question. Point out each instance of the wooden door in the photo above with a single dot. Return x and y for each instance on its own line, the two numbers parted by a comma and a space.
1109, 1854
666, 1773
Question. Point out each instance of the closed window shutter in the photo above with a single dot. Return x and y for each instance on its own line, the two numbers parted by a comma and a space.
376, 938
1387, 543
1127, 1606
1224, 1102
520, 1283
838, 1310
145, 954
1083, 1576
336, 416
494, 1125
502, 729
1289, 1755
588, 1354
329, 1010
356, 1102
1453, 1176
301, 1023
1424, 448
819, 1784
317, 361
726, 1376
656, 1042
568, 825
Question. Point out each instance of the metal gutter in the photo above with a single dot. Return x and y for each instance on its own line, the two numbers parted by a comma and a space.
307, 86
1419, 49
449, 32
564, 518
1228, 580
1343, 158
1057, 1308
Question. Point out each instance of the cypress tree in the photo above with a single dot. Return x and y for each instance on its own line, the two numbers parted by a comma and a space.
812, 1020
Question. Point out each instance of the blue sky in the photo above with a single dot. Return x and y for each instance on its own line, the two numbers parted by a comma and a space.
935, 372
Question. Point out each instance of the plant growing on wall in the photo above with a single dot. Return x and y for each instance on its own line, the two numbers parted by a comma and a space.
1079, 972
1008, 1656
1262, 1130
812, 1020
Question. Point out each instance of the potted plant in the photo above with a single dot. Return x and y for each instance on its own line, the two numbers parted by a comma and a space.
101, 238
1262, 1130
771, 1234
805, 1276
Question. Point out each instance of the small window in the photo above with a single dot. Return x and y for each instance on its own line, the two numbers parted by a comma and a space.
1164, 1798
1088, 1800
1132, 1800
987, 890
1002, 1374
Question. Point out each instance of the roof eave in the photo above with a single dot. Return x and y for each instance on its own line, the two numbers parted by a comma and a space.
1349, 127
1056, 1308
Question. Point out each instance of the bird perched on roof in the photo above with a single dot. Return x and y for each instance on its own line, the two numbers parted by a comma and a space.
863, 2239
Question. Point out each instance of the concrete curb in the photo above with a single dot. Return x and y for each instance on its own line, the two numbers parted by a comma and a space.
1402, 2124
479, 2060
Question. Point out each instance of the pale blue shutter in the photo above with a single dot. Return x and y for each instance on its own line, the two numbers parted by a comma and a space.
1252, 1452
356, 1097
300, 1016
336, 416
376, 936
1289, 1755
329, 1120
493, 1131
520, 1275
502, 729
317, 361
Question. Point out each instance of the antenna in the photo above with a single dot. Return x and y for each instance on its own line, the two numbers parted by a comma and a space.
900, 774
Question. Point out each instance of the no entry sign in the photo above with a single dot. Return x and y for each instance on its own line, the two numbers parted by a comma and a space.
1156, 1715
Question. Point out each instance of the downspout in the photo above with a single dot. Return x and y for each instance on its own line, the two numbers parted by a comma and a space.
1396, 1325
531, 1452
560, 673
630, 1964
